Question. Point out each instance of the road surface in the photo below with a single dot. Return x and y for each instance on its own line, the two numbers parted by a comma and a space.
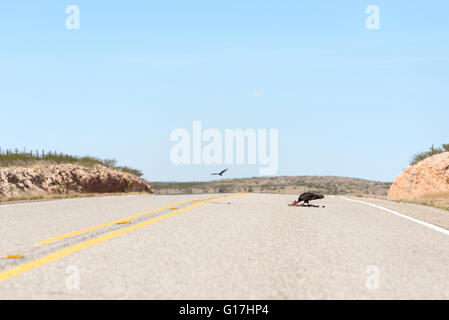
241, 246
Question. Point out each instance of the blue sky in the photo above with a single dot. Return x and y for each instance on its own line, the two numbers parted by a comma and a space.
346, 100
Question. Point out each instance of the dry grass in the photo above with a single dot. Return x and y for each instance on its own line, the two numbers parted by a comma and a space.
436, 200
16, 158
364, 195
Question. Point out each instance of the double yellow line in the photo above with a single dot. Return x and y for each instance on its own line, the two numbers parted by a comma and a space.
89, 243
75, 233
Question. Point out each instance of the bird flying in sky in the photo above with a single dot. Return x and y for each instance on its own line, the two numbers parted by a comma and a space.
220, 173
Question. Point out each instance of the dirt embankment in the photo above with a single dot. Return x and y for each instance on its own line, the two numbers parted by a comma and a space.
429, 176
65, 178
426, 182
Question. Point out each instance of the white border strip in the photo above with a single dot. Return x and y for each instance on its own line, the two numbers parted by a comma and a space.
426, 224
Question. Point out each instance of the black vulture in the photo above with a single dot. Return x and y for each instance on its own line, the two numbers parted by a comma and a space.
306, 197
220, 173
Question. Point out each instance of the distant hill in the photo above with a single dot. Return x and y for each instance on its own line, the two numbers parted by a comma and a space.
286, 184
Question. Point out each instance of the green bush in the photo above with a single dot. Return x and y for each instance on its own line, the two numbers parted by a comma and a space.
432, 151
15, 158
132, 171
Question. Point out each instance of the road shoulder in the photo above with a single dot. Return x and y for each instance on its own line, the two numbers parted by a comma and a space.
435, 216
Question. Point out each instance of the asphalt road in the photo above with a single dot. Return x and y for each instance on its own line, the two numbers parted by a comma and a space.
250, 246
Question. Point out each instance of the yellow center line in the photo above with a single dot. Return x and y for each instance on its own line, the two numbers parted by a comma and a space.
108, 224
89, 243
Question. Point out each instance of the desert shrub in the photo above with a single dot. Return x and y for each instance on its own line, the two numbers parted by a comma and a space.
431, 152
9, 158
129, 170
110, 163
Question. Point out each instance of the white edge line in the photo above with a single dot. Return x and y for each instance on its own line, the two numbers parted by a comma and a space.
426, 224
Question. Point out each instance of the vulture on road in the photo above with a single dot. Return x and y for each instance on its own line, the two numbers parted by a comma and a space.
306, 197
